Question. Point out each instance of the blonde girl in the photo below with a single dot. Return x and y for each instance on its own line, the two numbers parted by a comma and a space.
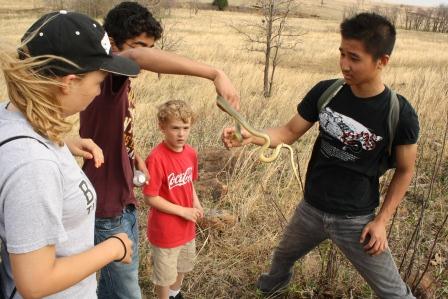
47, 203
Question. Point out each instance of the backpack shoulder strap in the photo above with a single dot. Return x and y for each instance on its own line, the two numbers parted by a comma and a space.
329, 93
21, 137
392, 120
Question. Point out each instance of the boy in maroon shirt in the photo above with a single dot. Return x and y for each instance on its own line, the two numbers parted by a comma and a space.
175, 207
106, 128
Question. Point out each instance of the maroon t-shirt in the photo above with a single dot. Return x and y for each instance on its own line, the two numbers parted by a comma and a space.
108, 121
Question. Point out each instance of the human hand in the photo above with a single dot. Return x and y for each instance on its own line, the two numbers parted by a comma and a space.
191, 214
225, 88
141, 165
85, 148
377, 242
229, 139
124, 251
200, 209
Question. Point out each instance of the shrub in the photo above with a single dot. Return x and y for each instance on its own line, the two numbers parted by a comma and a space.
222, 4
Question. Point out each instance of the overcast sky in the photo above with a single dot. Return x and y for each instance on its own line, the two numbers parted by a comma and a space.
419, 2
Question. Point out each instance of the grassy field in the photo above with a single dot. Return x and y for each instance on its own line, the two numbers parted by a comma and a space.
230, 261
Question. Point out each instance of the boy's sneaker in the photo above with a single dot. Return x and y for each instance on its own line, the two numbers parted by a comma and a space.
178, 296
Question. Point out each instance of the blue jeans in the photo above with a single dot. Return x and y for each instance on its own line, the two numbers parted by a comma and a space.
117, 280
308, 228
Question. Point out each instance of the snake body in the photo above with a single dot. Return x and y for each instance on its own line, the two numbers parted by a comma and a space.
241, 121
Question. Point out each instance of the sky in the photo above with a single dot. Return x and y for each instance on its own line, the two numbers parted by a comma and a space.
419, 2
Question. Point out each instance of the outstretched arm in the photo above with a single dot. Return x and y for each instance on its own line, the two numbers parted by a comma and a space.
159, 61
376, 230
287, 133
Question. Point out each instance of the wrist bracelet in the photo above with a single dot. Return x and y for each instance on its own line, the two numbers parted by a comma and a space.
124, 247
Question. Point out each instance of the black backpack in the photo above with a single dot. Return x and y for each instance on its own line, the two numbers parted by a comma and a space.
2, 143
389, 160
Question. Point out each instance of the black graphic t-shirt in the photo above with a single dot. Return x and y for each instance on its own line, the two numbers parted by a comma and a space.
342, 176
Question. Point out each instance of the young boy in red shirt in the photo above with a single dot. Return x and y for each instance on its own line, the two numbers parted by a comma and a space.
175, 207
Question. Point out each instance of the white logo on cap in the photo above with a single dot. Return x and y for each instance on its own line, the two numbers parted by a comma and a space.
106, 43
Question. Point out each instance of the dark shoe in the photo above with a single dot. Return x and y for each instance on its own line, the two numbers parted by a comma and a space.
178, 296
269, 285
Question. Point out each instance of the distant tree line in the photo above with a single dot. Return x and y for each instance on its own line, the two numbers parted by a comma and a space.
161, 9
434, 19
98, 8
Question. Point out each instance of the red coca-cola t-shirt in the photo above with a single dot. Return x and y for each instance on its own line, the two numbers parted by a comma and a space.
171, 177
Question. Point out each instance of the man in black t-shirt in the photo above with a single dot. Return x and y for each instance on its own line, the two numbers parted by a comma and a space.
342, 183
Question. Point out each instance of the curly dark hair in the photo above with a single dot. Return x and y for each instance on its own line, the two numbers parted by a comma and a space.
375, 31
128, 20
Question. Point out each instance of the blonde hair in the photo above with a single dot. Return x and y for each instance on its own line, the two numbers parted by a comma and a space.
34, 93
175, 109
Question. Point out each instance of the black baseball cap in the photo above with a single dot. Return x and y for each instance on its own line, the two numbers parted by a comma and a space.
75, 37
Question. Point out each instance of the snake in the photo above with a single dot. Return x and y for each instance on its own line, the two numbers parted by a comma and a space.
263, 157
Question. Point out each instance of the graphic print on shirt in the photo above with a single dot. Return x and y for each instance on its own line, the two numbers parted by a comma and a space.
129, 127
354, 136
180, 179
90, 203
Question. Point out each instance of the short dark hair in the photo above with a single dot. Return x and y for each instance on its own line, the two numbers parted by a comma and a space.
128, 20
375, 31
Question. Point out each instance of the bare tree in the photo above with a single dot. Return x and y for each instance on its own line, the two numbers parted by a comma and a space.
93, 8
169, 41
55, 4
270, 36
194, 7
391, 13
360, 3
407, 17
429, 19
350, 11
437, 20
411, 261
168, 5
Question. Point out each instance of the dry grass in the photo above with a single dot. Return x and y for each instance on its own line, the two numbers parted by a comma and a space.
229, 262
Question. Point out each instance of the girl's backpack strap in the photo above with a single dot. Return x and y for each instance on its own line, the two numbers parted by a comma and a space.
21, 137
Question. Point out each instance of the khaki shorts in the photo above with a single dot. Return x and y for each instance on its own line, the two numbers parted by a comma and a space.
167, 262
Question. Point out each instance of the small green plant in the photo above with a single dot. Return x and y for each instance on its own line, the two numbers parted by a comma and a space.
221, 4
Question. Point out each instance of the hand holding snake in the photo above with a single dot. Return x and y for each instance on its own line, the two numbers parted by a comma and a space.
235, 137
